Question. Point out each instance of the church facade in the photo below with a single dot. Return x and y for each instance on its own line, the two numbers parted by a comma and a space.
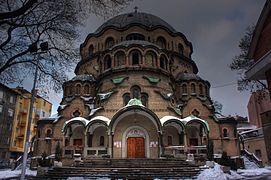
136, 94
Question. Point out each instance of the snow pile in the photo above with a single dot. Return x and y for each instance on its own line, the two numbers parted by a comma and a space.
248, 164
217, 173
254, 172
13, 174
212, 173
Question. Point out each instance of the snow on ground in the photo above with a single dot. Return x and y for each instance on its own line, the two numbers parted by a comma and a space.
217, 173
212, 173
7, 173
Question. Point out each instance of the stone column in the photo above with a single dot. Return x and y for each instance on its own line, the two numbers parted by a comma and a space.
110, 142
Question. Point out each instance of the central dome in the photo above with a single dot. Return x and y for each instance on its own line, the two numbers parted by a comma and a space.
136, 18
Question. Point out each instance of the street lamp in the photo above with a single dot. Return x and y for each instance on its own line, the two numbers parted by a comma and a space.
34, 50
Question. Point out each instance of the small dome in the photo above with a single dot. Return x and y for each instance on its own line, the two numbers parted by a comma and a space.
135, 18
83, 77
188, 77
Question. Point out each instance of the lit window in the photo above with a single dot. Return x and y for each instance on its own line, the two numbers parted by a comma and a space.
150, 59
10, 112
119, 59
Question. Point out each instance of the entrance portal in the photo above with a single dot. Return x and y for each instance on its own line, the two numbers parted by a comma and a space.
135, 147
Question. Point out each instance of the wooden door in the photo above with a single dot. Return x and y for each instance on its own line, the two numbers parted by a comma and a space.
135, 147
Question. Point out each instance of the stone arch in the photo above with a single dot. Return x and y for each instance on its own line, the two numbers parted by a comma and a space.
142, 133
119, 58
109, 42
134, 109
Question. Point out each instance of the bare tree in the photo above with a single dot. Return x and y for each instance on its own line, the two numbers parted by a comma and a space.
241, 63
25, 23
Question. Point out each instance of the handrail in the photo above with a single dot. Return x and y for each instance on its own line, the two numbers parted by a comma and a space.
252, 157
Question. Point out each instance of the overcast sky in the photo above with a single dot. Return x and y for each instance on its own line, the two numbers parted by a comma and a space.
214, 27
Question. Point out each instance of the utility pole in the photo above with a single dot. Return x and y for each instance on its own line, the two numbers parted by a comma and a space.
34, 50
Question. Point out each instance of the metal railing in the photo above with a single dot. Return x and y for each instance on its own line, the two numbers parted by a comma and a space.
252, 157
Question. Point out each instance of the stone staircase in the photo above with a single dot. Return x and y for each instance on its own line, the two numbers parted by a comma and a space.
127, 169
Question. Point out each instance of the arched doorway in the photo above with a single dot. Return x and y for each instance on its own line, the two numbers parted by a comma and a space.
135, 133
135, 140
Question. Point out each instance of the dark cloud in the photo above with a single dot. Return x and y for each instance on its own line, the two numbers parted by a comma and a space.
214, 27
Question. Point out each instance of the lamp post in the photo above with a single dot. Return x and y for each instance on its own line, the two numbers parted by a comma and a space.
33, 49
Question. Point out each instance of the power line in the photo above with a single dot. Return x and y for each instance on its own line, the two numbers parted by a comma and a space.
224, 85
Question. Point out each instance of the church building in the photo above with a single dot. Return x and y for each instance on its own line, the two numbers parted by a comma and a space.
136, 94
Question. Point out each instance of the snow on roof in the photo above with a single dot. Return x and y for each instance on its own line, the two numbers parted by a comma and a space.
76, 119
102, 118
184, 121
193, 118
167, 118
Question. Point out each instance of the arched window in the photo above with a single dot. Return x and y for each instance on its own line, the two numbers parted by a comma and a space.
180, 48
48, 133
150, 59
161, 42
78, 89
107, 62
195, 112
109, 42
135, 57
225, 133
135, 92
76, 113
193, 88
86, 89
90, 50
67, 91
126, 98
184, 88
135, 36
200, 89
169, 140
119, 59
163, 62
90, 137
207, 90
101, 140
144, 99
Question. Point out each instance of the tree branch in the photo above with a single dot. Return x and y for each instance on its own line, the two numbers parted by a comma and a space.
18, 12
